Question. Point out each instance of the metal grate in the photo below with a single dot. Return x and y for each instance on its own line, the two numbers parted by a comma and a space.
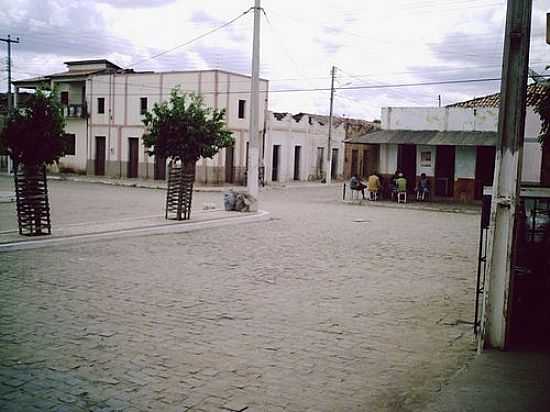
31, 194
180, 192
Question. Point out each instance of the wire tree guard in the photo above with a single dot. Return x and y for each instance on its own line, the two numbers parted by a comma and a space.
31, 193
180, 190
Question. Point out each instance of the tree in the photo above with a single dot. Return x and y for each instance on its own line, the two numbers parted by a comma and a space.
542, 107
34, 137
183, 129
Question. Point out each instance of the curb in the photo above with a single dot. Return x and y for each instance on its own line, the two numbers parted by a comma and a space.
183, 227
423, 208
139, 185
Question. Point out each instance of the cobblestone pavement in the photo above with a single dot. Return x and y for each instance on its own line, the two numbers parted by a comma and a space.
326, 307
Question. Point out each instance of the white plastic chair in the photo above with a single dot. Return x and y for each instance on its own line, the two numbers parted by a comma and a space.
401, 197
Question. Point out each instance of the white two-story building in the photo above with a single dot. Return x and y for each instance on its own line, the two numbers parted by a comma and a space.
104, 106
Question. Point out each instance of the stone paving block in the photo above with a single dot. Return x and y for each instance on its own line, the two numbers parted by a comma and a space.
292, 323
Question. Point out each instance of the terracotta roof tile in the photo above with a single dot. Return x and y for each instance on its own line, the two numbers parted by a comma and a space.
534, 93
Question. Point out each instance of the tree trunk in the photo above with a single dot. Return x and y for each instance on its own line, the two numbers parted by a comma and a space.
31, 191
179, 194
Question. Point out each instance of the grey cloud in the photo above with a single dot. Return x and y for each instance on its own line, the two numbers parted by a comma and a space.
81, 34
132, 4
330, 46
199, 16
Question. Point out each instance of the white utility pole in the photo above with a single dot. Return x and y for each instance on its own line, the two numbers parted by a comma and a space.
329, 151
506, 184
9, 41
253, 147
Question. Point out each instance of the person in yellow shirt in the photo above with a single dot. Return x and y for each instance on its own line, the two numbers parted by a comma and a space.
373, 186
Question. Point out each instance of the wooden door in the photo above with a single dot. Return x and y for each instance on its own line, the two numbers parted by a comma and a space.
354, 169
334, 164
444, 171
275, 164
229, 164
133, 156
297, 155
485, 169
100, 155
365, 163
160, 168
406, 163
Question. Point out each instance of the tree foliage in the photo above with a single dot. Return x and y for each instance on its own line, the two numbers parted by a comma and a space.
183, 128
542, 107
35, 134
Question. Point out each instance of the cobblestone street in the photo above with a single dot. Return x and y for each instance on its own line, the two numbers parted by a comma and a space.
326, 307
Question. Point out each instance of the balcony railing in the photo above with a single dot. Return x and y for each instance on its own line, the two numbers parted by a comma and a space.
75, 111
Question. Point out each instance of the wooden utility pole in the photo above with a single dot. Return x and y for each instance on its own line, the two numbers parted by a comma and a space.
329, 148
253, 147
511, 123
9, 41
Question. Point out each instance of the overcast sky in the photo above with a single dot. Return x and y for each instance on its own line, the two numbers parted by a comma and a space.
372, 43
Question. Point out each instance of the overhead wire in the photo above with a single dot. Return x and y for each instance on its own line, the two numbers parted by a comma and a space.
203, 35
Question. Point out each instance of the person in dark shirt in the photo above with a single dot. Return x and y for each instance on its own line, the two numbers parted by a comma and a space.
356, 184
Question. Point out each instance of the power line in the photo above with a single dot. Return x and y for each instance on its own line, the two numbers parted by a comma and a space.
195, 38
326, 89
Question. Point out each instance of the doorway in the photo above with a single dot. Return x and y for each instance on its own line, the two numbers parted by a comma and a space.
354, 156
275, 163
229, 163
320, 161
133, 156
100, 155
160, 168
334, 164
485, 169
297, 156
444, 171
406, 163
365, 163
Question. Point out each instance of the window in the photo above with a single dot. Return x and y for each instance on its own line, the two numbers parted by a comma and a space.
101, 105
426, 159
65, 98
70, 144
242, 108
143, 105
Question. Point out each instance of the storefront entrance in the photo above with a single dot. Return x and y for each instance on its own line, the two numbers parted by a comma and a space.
406, 163
485, 169
444, 171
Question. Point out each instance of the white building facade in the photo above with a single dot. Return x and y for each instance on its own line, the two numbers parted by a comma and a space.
454, 147
296, 148
104, 106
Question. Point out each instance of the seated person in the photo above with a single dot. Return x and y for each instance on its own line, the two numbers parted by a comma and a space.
401, 183
423, 187
373, 185
394, 184
356, 184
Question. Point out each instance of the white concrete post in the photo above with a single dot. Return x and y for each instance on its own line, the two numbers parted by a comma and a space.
253, 147
511, 128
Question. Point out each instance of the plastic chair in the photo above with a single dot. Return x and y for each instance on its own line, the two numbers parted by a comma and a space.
401, 197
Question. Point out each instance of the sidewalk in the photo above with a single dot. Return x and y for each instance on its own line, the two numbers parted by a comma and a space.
498, 382
161, 184
436, 206
11, 240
